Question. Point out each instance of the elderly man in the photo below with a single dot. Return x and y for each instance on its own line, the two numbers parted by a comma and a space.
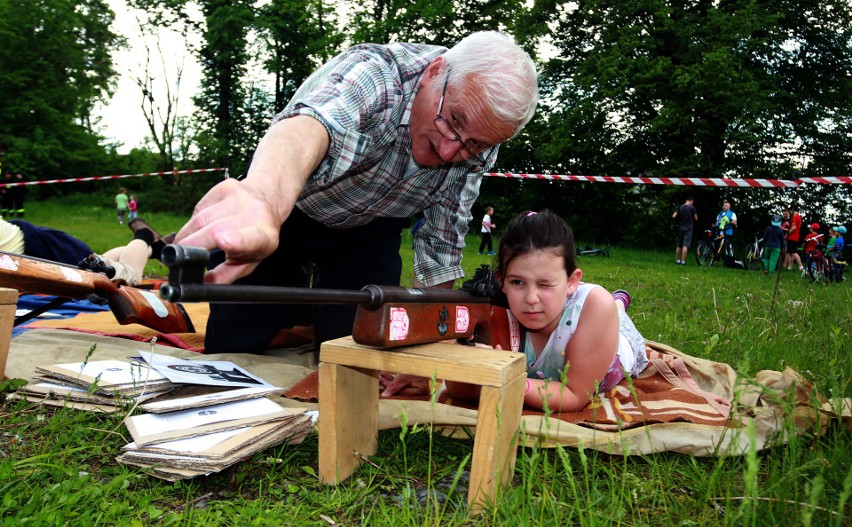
376, 135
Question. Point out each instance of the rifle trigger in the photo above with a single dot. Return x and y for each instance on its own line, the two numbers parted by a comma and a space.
98, 299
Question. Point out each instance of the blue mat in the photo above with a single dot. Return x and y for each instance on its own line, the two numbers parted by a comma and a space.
66, 310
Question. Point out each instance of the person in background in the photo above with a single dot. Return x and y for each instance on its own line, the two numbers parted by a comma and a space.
6, 201
837, 253
380, 133
131, 208
794, 235
121, 205
810, 244
772, 240
487, 226
685, 217
832, 238
726, 221
17, 195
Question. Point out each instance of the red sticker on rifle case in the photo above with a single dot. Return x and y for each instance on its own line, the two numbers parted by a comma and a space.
462, 319
398, 323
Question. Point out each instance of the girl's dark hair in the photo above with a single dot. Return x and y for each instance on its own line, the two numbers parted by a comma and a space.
531, 231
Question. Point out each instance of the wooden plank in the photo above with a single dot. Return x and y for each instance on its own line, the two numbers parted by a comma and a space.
349, 419
484, 367
495, 446
8, 304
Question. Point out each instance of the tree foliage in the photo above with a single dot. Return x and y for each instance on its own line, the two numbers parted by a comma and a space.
667, 88
691, 89
56, 64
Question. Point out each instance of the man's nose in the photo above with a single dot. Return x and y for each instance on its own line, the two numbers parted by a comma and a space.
448, 149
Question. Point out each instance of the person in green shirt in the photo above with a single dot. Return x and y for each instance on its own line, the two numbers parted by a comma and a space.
121, 204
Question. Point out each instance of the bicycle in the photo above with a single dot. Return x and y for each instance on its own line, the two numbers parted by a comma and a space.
820, 268
712, 248
753, 255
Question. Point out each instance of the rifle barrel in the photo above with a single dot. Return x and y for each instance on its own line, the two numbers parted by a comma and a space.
371, 296
186, 273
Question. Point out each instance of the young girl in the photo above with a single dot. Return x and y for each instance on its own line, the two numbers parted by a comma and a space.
569, 330
131, 207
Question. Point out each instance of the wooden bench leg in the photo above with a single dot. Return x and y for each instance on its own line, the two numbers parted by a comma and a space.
8, 304
348, 419
495, 446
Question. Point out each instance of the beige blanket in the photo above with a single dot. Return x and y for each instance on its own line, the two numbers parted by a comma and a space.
717, 414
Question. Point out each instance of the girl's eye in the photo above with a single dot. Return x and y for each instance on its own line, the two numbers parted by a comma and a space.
516, 282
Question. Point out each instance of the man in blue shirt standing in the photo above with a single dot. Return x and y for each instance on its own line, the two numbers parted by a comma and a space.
378, 134
726, 220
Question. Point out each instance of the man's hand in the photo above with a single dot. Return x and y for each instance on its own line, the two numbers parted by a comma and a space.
235, 217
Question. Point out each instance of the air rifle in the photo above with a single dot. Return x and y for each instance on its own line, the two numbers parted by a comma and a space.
386, 317
129, 304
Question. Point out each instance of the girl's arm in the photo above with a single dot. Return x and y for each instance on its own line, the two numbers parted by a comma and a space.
588, 356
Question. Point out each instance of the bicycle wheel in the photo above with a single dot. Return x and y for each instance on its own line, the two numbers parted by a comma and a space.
752, 259
815, 273
704, 254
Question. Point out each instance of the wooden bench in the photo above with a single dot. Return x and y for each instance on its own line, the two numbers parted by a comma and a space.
349, 405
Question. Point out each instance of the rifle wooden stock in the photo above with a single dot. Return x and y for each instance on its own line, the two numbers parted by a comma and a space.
400, 324
129, 305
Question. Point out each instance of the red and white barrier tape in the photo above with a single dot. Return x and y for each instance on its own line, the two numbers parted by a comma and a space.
701, 182
99, 178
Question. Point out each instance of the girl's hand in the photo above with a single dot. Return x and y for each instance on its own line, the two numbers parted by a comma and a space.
403, 384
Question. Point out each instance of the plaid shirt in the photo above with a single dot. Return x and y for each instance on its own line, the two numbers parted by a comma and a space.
363, 99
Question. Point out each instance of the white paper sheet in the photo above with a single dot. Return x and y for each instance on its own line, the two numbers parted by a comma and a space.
193, 445
112, 372
213, 373
152, 424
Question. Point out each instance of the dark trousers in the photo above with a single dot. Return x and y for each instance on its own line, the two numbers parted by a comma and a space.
308, 252
486, 240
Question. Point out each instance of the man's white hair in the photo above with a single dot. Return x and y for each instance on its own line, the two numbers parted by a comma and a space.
504, 71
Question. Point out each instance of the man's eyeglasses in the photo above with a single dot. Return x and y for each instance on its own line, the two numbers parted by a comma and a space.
471, 149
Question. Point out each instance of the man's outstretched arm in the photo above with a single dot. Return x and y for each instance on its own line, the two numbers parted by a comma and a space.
243, 218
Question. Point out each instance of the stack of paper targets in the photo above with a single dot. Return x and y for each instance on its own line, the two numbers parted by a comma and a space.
210, 438
203, 416
97, 386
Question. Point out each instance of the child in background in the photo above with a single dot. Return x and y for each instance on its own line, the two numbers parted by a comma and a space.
837, 253
772, 240
487, 227
839, 242
131, 207
832, 237
577, 338
810, 244
121, 205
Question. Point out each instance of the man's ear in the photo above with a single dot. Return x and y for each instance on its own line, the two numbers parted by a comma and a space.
433, 70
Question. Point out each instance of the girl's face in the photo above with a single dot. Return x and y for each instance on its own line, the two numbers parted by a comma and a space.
536, 285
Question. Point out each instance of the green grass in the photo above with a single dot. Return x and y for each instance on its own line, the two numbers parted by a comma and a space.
58, 467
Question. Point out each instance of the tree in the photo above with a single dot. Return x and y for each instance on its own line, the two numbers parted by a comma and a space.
300, 35
56, 64
160, 111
